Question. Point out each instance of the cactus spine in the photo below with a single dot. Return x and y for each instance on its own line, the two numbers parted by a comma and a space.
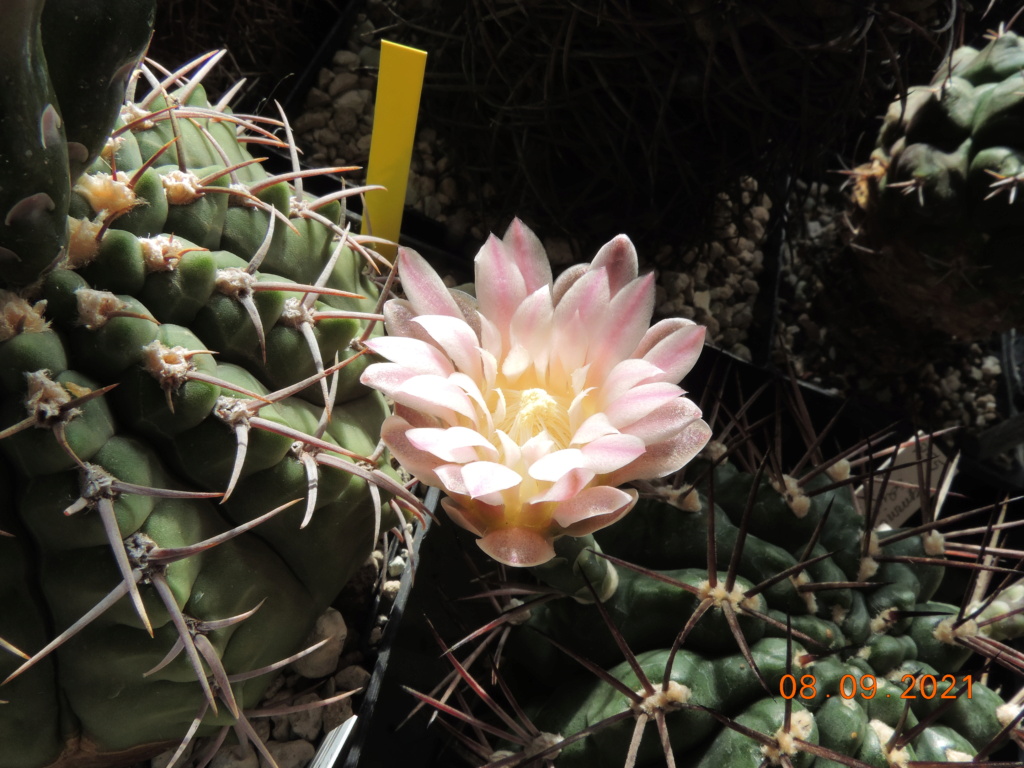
761, 618
188, 464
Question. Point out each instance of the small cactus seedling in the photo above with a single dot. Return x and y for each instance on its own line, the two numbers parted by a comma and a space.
189, 466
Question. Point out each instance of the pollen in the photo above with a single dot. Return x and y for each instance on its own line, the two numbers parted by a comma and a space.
531, 412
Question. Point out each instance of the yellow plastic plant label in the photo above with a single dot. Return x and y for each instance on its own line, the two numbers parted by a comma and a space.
399, 85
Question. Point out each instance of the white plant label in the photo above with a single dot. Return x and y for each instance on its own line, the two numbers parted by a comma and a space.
903, 490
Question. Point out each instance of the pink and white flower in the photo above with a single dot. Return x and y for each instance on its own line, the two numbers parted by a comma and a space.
530, 404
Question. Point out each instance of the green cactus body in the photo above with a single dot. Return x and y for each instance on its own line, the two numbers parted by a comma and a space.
148, 406
856, 663
942, 213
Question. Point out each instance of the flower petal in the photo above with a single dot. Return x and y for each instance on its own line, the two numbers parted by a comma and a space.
567, 280
457, 444
664, 421
450, 476
618, 257
427, 293
467, 521
387, 377
606, 454
528, 254
415, 355
566, 487
553, 466
456, 339
519, 547
665, 457
536, 448
434, 395
500, 287
591, 509
640, 401
587, 299
484, 478
628, 374
673, 345
398, 320
422, 466
591, 429
531, 327
626, 321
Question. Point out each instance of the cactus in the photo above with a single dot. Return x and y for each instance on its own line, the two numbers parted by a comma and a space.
753, 615
189, 466
760, 619
939, 211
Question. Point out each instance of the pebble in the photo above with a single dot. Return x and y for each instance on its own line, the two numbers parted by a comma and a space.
289, 754
346, 60
990, 366
162, 760
235, 757
396, 567
323, 661
350, 678
308, 723
337, 713
389, 590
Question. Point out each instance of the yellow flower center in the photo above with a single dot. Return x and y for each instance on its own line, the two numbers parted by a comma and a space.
529, 412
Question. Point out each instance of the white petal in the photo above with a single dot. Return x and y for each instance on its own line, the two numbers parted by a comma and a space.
427, 293
665, 421
536, 448
570, 484
450, 477
665, 457
529, 255
623, 325
640, 401
673, 345
423, 466
490, 368
592, 503
484, 478
516, 361
387, 377
413, 354
500, 287
490, 338
591, 429
456, 339
456, 444
436, 396
511, 453
628, 374
553, 466
588, 297
531, 327
606, 454
618, 257
520, 547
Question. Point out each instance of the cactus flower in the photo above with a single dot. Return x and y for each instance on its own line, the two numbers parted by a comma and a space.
530, 404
